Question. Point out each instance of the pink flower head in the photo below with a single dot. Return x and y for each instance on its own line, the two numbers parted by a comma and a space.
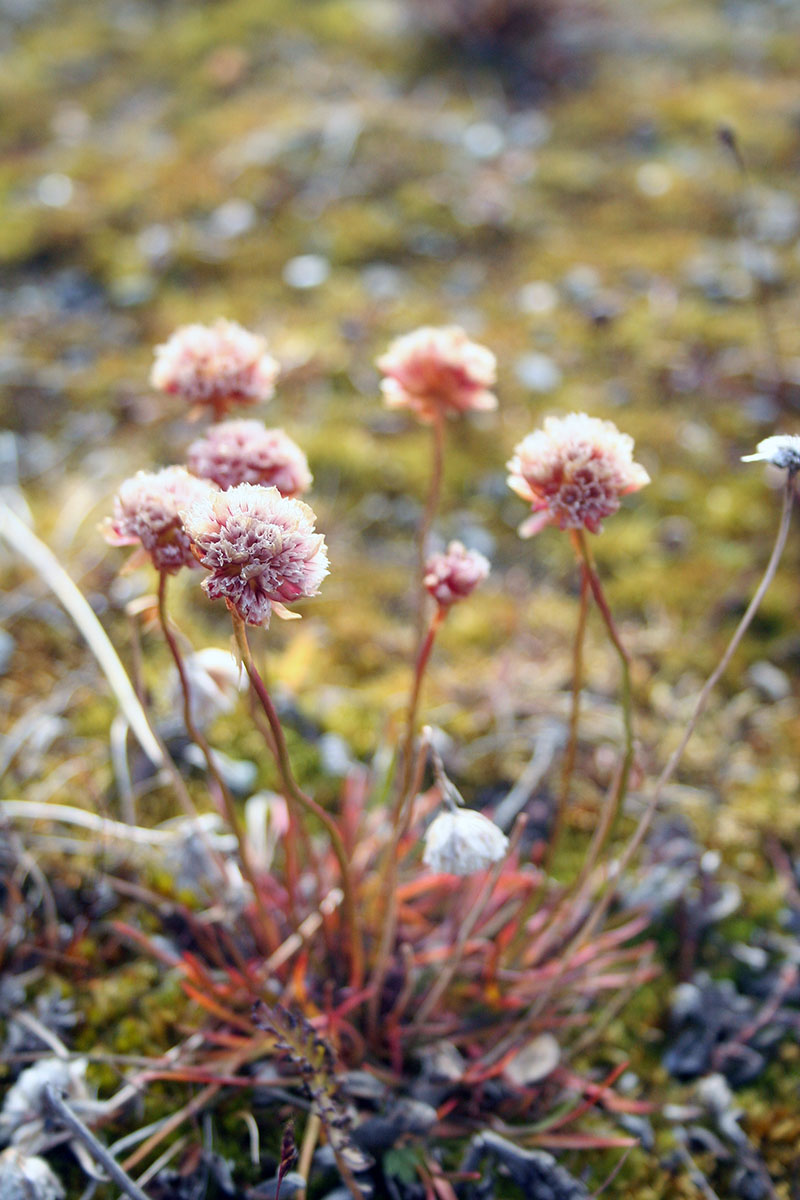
260, 548
147, 510
215, 366
453, 575
438, 371
246, 452
574, 472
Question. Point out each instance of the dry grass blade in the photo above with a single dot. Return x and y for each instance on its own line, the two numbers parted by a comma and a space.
25, 543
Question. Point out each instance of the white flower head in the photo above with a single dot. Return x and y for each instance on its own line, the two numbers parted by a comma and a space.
782, 450
462, 842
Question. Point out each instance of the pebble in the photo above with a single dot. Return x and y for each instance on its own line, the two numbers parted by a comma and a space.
306, 271
538, 372
770, 681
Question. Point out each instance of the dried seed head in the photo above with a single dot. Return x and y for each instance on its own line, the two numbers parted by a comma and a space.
260, 549
439, 371
574, 472
215, 366
462, 842
782, 451
247, 452
455, 574
147, 510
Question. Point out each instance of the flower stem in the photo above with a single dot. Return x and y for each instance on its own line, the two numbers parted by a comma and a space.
400, 815
619, 788
575, 709
199, 739
670, 766
295, 793
431, 505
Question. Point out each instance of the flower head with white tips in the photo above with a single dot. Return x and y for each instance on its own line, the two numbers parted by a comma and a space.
215, 366
236, 452
574, 471
438, 371
147, 511
461, 842
782, 450
260, 548
452, 576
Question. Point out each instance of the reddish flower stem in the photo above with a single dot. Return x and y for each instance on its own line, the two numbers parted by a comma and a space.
305, 802
400, 816
431, 505
668, 771
619, 788
574, 717
229, 805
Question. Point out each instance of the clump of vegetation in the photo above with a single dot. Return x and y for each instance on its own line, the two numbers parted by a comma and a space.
398, 1008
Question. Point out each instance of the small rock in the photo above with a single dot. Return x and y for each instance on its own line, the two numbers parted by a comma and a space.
534, 1062
306, 271
773, 683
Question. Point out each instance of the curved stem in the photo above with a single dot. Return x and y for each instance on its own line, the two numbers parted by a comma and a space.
199, 739
668, 771
295, 793
619, 787
400, 816
575, 710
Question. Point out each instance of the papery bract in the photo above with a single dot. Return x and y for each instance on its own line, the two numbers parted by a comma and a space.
247, 452
147, 510
574, 472
438, 370
260, 549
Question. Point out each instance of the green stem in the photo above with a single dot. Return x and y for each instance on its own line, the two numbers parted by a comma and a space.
295, 793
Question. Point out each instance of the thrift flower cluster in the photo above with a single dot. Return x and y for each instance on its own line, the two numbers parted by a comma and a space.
247, 452
147, 510
215, 366
260, 549
438, 371
455, 574
574, 472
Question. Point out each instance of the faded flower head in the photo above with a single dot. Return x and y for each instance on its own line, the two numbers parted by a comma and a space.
438, 370
147, 510
455, 574
247, 452
462, 842
260, 548
215, 366
27, 1177
782, 451
574, 472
